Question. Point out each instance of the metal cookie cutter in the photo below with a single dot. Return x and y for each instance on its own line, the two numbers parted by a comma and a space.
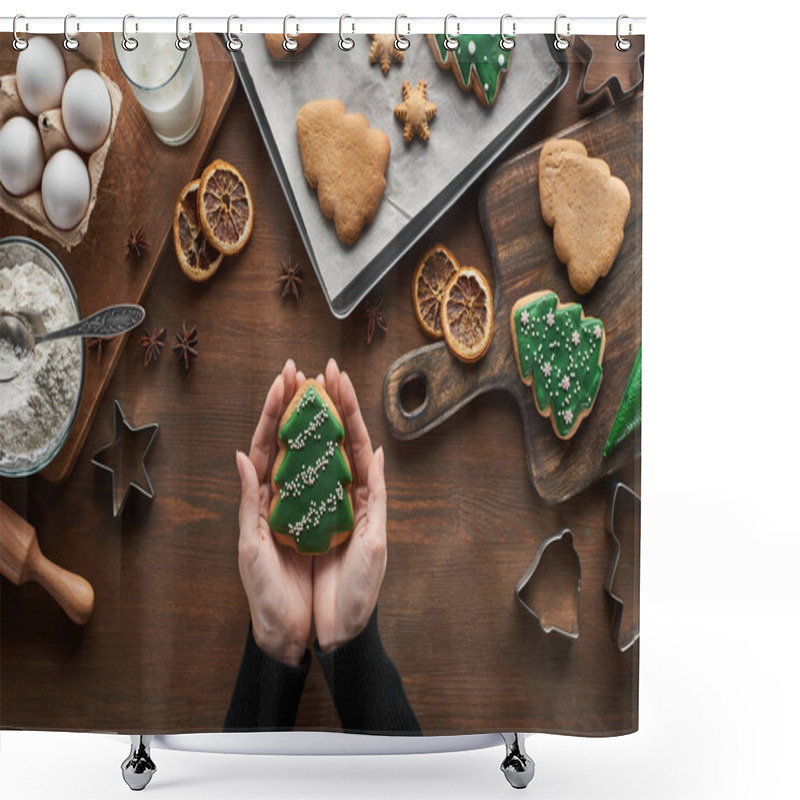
622, 577
124, 458
619, 87
553, 584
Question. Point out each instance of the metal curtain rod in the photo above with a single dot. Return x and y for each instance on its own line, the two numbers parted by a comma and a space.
567, 25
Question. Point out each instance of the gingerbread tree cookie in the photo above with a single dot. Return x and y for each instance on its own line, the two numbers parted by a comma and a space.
311, 509
559, 354
345, 160
479, 63
415, 112
586, 206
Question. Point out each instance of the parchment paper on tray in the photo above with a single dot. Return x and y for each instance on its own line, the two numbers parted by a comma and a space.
423, 179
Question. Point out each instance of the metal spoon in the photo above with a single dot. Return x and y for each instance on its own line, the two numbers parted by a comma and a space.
24, 329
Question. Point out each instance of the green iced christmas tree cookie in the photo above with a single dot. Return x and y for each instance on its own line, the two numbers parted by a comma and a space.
560, 354
478, 62
311, 508
629, 413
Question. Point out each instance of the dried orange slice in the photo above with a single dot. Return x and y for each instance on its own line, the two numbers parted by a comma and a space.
198, 259
468, 315
225, 207
434, 271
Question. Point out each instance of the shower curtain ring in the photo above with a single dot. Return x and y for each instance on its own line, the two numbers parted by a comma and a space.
345, 42
400, 41
19, 42
450, 42
623, 44
182, 42
234, 42
129, 43
560, 43
70, 42
289, 43
507, 42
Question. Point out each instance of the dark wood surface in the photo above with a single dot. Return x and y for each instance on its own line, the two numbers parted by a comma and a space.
523, 259
162, 649
139, 187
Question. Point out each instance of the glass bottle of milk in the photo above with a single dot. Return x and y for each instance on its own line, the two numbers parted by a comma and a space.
167, 82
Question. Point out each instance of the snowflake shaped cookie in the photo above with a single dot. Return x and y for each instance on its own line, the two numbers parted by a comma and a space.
383, 51
415, 111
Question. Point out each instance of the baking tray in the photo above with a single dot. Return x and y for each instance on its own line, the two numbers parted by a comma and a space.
423, 179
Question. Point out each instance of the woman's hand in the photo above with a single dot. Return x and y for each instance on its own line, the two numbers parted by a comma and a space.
347, 580
276, 580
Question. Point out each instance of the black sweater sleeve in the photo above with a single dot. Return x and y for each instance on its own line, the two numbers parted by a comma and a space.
267, 691
366, 686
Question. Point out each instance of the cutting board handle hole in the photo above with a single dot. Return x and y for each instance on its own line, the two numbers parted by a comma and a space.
414, 395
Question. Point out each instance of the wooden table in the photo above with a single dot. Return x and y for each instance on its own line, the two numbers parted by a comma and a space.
162, 649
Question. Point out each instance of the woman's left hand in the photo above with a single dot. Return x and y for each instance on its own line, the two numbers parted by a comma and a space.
348, 579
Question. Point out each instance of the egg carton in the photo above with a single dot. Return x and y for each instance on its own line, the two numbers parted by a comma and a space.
29, 208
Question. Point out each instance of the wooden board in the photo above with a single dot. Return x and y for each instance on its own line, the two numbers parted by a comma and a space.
140, 185
524, 261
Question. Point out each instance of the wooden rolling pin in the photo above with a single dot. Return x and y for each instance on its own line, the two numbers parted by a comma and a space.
21, 561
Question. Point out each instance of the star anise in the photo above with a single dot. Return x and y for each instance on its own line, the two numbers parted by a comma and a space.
152, 342
292, 279
186, 347
375, 317
137, 243
97, 343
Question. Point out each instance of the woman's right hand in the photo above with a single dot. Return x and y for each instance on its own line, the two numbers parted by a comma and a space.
276, 580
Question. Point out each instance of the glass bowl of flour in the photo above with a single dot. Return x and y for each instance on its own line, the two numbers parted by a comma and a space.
38, 406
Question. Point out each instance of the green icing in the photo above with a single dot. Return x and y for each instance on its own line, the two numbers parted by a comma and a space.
481, 53
562, 353
629, 413
312, 503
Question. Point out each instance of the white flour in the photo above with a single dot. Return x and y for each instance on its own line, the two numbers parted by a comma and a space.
36, 406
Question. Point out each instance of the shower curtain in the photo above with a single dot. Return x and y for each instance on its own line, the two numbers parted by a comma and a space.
371, 461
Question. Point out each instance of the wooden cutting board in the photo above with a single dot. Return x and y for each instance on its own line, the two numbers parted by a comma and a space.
139, 187
521, 246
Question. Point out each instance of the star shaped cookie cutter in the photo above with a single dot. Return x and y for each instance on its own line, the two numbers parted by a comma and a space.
559, 568
613, 84
622, 576
126, 463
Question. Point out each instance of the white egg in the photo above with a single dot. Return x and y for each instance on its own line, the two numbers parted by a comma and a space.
65, 189
41, 75
86, 110
21, 156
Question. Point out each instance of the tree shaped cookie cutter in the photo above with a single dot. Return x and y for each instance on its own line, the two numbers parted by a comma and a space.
126, 464
614, 85
557, 568
622, 576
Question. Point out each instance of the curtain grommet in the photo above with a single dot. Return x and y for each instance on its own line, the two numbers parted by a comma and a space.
451, 42
19, 43
183, 43
623, 44
559, 42
346, 43
233, 42
129, 43
507, 42
401, 42
70, 42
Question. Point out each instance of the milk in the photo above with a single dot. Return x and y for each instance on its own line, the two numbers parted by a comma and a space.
167, 82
